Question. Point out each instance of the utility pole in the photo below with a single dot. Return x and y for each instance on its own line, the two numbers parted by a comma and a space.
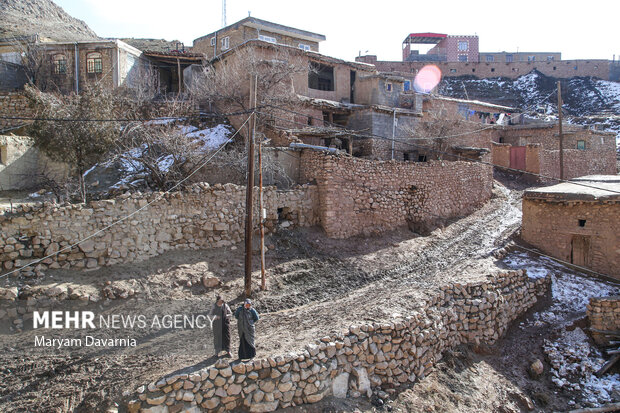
263, 281
249, 193
560, 130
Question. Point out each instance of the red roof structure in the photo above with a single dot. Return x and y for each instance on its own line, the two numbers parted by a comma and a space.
424, 38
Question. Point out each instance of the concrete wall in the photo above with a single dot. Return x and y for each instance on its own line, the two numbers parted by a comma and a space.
564, 69
22, 165
365, 357
550, 226
357, 196
603, 314
200, 217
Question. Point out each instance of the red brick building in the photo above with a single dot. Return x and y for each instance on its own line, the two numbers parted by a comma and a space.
448, 48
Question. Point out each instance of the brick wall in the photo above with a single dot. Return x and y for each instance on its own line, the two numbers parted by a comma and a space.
551, 227
354, 362
603, 314
577, 163
200, 217
357, 196
564, 69
12, 76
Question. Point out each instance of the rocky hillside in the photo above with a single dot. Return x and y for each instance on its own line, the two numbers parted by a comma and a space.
155, 45
43, 17
587, 101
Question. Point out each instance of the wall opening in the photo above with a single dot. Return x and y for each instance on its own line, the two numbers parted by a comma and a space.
582, 222
321, 77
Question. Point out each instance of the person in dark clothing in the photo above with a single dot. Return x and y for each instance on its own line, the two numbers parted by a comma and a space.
221, 326
246, 317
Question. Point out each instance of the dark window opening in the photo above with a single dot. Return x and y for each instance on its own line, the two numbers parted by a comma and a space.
352, 82
492, 69
309, 120
452, 70
405, 156
554, 67
473, 70
321, 77
421, 158
582, 222
501, 139
59, 64
340, 119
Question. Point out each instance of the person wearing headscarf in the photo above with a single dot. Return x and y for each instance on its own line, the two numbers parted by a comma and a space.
221, 326
246, 316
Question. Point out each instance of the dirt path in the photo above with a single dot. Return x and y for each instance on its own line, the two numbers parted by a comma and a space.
317, 286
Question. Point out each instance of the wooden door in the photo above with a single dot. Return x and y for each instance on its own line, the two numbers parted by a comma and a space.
517, 157
580, 250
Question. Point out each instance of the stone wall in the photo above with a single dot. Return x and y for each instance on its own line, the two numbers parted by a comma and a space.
354, 362
553, 225
199, 217
603, 314
14, 104
577, 163
563, 69
358, 196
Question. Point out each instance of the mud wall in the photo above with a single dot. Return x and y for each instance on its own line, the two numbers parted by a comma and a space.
14, 104
199, 217
354, 362
603, 314
358, 196
553, 225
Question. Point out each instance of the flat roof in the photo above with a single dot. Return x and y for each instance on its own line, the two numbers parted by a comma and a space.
425, 38
585, 188
271, 27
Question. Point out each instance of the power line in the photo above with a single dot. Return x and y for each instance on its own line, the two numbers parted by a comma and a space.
159, 197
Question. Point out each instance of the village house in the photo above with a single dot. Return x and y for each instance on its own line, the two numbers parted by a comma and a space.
251, 28
576, 222
535, 148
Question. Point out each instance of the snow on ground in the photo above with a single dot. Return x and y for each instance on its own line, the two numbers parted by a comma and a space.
211, 138
573, 359
611, 92
574, 363
570, 292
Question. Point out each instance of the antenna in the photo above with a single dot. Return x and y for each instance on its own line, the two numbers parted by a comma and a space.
223, 13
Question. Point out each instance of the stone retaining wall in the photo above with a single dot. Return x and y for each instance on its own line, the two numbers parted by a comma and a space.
359, 196
14, 104
355, 362
199, 217
604, 314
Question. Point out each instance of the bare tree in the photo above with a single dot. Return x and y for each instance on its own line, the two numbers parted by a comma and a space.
75, 129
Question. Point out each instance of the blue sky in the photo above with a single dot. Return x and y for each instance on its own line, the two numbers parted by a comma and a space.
590, 31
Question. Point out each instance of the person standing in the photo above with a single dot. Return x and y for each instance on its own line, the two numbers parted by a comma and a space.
246, 317
221, 326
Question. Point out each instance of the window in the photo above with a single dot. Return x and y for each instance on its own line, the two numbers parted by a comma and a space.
581, 145
452, 70
305, 47
531, 58
388, 87
463, 45
490, 58
554, 67
407, 85
213, 41
268, 39
94, 63
59, 64
492, 69
226, 43
421, 158
509, 58
582, 222
550, 58
321, 77
4, 158
462, 58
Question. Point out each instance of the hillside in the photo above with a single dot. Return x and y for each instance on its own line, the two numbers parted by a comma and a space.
587, 101
43, 17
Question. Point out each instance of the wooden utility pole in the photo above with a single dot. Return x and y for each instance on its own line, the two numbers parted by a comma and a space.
249, 193
560, 130
263, 281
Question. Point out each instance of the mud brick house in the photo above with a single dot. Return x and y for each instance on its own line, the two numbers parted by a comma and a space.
577, 223
536, 148
251, 28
